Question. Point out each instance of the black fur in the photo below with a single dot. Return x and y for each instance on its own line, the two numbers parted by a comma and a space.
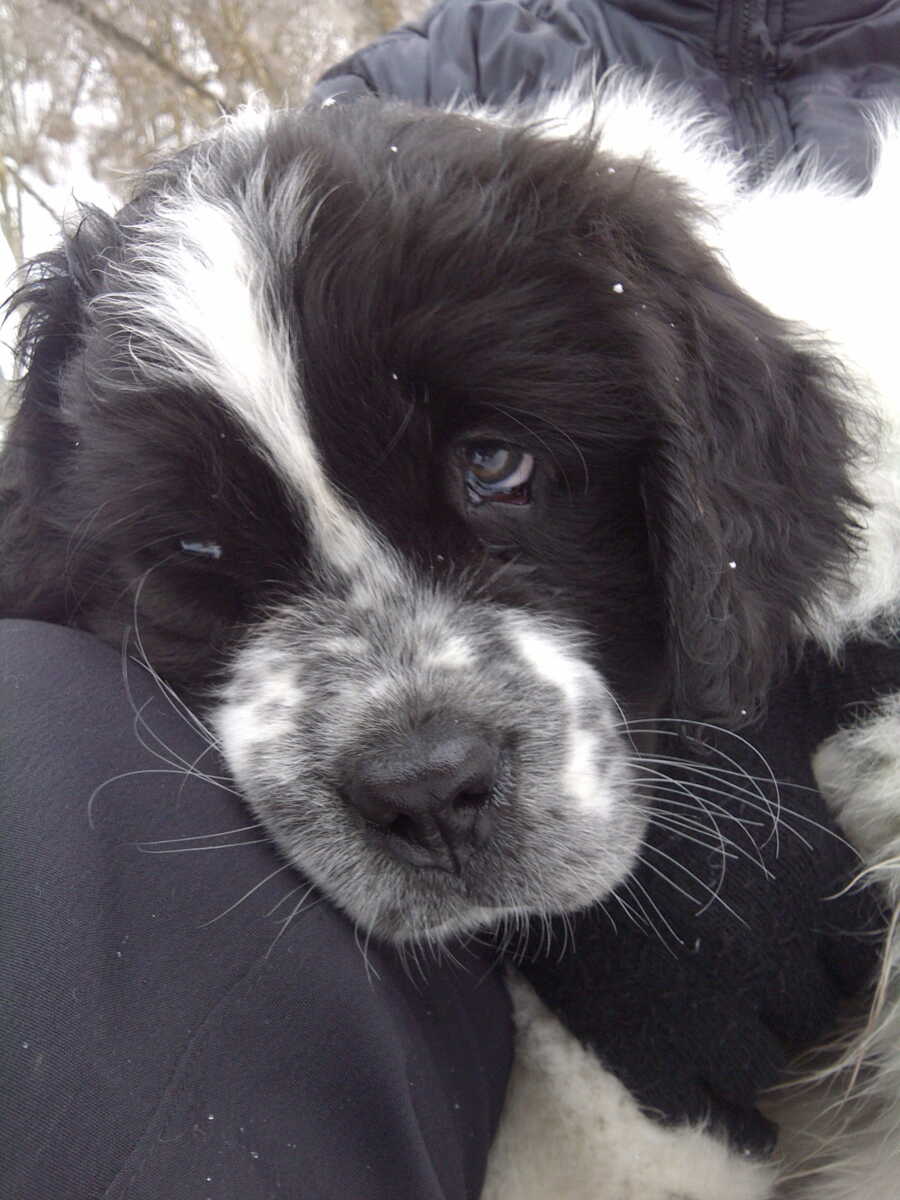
685, 428
444, 280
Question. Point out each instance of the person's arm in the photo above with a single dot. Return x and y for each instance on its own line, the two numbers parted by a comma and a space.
181, 1015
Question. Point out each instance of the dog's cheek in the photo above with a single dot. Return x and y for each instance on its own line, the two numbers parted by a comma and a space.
257, 712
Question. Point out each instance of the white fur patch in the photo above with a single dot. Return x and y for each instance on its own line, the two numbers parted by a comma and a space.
454, 655
203, 278
665, 128
858, 772
261, 706
583, 782
841, 1120
571, 1130
847, 297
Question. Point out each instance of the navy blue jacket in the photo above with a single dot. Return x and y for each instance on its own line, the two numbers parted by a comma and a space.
783, 74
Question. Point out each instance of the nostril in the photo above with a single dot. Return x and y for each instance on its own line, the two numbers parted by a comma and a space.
468, 803
473, 799
376, 808
402, 826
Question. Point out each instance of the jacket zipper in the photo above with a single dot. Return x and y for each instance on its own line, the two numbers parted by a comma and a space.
749, 74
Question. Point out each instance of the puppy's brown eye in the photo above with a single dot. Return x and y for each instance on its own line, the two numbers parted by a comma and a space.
498, 473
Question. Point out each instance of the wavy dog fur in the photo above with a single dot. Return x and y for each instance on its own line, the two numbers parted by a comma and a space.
244, 429
253, 429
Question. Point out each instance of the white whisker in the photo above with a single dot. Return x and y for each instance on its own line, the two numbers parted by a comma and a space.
633, 882
203, 849
196, 837
295, 912
714, 895
246, 895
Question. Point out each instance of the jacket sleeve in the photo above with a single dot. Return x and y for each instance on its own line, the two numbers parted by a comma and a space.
496, 50
806, 88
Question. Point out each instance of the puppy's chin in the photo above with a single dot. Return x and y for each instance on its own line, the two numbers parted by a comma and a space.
517, 877
548, 823
534, 866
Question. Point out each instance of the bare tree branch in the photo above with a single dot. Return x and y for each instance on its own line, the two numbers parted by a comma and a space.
111, 32
119, 83
23, 185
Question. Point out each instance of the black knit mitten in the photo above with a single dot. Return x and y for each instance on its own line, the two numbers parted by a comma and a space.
731, 944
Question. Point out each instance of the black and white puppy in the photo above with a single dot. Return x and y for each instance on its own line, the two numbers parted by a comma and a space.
434, 452
435, 448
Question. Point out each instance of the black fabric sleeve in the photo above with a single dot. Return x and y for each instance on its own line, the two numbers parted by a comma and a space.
181, 1016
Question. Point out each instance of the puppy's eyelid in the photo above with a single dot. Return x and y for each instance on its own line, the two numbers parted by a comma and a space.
200, 549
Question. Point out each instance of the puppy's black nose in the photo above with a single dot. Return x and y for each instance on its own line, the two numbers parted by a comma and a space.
427, 796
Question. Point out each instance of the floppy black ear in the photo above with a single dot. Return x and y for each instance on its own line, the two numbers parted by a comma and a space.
39, 443
748, 493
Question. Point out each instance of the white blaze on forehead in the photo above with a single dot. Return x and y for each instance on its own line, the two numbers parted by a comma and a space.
553, 663
199, 311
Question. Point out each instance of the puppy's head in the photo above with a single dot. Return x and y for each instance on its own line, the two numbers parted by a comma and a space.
430, 452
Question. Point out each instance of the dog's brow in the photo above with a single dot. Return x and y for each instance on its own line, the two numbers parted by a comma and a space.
202, 287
